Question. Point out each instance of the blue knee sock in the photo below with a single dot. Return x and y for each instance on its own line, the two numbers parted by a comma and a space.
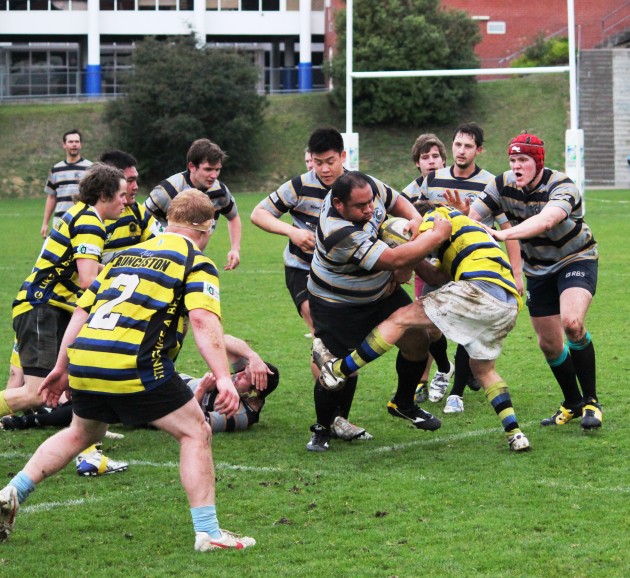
205, 520
23, 484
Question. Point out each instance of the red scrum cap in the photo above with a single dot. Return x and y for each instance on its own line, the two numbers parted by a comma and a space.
530, 145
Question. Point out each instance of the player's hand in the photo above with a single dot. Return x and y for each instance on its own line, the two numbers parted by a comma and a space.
259, 372
454, 199
44, 231
54, 386
233, 260
207, 383
403, 275
414, 227
499, 235
227, 400
520, 287
442, 227
303, 238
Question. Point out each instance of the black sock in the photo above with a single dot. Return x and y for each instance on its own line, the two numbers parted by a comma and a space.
584, 364
346, 396
58, 417
438, 349
462, 371
564, 372
326, 404
409, 373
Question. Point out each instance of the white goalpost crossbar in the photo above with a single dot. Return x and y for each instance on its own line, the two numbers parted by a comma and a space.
574, 138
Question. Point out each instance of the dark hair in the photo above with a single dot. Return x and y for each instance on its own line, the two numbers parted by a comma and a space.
472, 129
325, 139
100, 181
424, 143
272, 380
203, 150
73, 131
423, 207
119, 159
346, 183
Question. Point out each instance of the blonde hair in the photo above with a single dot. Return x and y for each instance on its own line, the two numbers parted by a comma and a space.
190, 207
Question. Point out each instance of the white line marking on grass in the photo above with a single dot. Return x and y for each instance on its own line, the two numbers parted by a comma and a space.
153, 464
590, 487
46, 506
443, 439
221, 466
592, 199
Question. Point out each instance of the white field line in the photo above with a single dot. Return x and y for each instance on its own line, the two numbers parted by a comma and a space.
46, 506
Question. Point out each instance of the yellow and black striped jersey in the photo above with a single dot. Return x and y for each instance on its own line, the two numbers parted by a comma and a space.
471, 253
136, 308
80, 234
135, 225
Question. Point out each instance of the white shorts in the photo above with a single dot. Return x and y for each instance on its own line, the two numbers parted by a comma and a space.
471, 317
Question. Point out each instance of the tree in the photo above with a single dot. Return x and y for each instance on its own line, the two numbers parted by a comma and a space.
177, 93
406, 35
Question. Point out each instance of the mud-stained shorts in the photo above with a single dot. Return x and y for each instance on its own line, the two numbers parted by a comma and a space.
471, 317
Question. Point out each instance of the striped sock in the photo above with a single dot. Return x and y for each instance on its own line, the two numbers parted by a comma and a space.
499, 396
372, 348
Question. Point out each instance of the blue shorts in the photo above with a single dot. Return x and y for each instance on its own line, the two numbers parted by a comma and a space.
543, 293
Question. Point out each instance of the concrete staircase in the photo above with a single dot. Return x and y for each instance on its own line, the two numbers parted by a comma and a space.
604, 115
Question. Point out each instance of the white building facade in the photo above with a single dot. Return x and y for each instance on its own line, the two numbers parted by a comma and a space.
81, 46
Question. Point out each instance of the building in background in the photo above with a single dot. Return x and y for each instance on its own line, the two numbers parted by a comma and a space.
66, 47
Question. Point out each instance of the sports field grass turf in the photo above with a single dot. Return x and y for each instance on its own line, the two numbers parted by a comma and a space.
408, 503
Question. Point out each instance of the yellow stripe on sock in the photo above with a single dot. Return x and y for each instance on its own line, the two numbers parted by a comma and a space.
4, 406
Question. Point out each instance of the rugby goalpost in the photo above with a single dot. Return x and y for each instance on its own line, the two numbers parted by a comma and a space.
574, 137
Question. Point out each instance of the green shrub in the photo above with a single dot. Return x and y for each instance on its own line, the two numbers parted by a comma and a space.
551, 52
178, 92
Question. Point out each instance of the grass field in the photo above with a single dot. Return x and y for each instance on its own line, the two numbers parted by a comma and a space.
408, 503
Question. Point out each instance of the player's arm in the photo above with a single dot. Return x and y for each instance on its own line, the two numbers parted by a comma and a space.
547, 219
267, 221
49, 209
206, 327
235, 228
258, 368
88, 270
413, 251
432, 274
513, 250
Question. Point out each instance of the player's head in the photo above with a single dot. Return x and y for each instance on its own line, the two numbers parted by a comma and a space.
71, 133
530, 145
308, 159
205, 161
129, 166
471, 129
243, 380
423, 207
204, 150
328, 154
105, 184
467, 144
428, 153
193, 212
100, 182
352, 197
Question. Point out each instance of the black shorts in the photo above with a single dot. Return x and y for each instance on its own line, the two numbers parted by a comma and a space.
134, 408
39, 333
343, 329
543, 293
296, 280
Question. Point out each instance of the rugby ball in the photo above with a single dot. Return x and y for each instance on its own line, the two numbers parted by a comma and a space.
391, 231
